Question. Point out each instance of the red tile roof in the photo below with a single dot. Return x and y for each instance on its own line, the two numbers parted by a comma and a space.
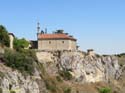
55, 36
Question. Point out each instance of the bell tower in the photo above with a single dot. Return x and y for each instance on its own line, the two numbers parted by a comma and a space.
38, 29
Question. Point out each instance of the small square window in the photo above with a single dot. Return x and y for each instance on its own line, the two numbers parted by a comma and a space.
49, 42
62, 41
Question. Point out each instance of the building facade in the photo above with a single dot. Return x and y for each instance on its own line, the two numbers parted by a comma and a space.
56, 41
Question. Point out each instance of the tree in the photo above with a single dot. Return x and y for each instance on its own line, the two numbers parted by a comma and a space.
22, 61
4, 37
20, 43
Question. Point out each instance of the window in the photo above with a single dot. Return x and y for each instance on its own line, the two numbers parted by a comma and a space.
49, 42
62, 41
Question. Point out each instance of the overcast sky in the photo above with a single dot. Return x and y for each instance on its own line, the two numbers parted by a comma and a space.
97, 24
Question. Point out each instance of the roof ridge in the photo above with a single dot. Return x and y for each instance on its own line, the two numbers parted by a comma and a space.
55, 36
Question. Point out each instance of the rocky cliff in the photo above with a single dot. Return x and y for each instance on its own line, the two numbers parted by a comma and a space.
83, 68
63, 72
12, 81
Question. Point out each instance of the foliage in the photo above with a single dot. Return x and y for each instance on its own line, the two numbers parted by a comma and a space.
58, 78
67, 90
121, 55
22, 61
121, 59
50, 85
1, 91
20, 43
2, 74
29, 53
98, 56
4, 37
105, 90
66, 75
12, 91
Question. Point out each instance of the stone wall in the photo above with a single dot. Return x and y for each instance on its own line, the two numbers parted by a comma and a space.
56, 45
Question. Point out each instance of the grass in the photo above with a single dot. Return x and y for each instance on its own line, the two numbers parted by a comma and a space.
54, 84
121, 60
2, 74
67, 90
105, 90
1, 91
12, 91
58, 78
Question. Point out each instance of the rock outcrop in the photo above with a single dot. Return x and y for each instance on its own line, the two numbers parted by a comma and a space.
14, 81
90, 68
79, 67
84, 68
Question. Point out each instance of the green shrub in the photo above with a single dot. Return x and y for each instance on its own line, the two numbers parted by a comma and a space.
58, 78
12, 91
21, 61
1, 74
1, 91
51, 86
104, 90
66, 75
4, 37
67, 90
20, 43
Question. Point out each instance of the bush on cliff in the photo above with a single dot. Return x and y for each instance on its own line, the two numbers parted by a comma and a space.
20, 43
4, 37
105, 90
22, 61
66, 75
67, 90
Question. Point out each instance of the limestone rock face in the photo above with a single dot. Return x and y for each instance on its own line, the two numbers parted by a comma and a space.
84, 68
14, 81
90, 68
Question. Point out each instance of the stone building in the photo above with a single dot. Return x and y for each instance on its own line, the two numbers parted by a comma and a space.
56, 41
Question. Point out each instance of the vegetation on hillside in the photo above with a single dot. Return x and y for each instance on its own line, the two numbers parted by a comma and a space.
54, 84
4, 37
105, 90
20, 60
121, 59
66, 75
20, 43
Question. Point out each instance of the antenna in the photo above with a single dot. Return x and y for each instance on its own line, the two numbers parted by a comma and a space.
38, 27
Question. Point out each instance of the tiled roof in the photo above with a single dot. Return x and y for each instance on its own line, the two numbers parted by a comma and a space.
55, 36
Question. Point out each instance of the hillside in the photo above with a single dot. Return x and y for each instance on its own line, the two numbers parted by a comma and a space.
61, 72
